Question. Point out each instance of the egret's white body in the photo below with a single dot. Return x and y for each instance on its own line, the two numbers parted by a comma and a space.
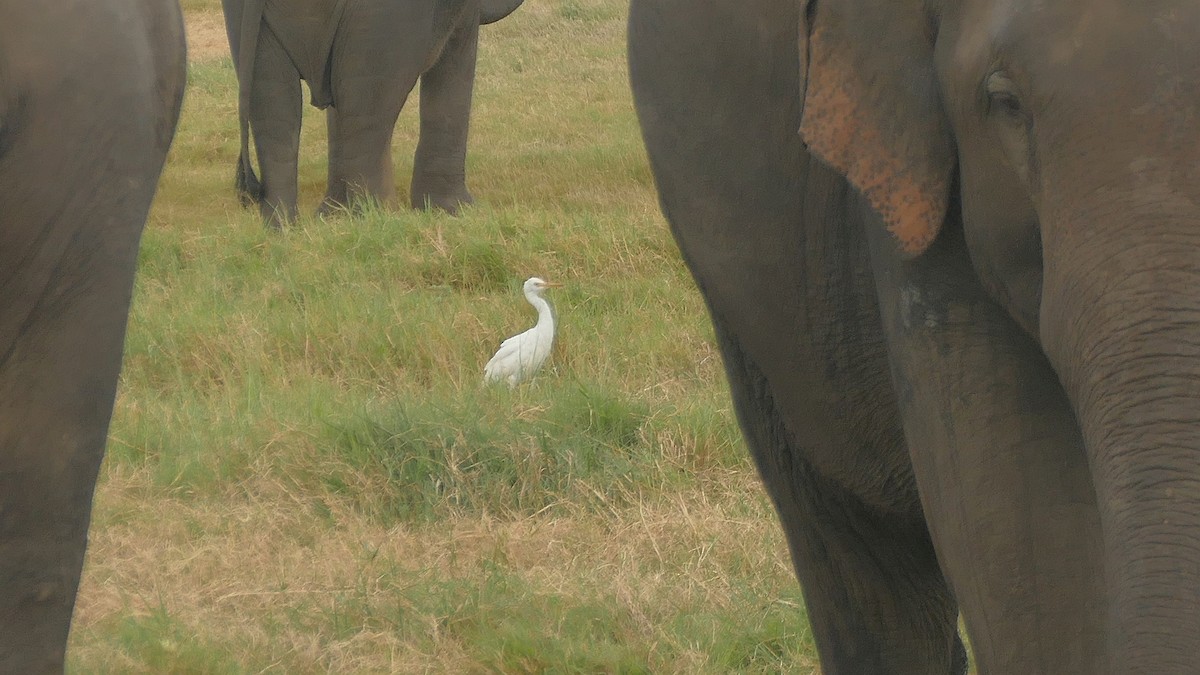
520, 356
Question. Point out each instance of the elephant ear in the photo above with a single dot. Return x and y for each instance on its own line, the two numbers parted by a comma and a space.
873, 112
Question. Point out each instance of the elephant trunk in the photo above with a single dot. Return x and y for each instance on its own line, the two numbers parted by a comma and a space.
491, 11
1121, 323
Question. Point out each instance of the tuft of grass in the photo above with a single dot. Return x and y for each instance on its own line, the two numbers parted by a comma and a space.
305, 473
430, 461
587, 10
160, 643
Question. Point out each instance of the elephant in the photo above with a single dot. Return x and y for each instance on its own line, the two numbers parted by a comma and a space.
89, 98
950, 250
360, 60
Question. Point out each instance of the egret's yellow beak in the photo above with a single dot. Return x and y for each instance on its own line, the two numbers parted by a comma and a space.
550, 284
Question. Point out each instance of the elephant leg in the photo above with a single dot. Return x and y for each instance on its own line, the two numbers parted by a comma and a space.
357, 168
76, 181
999, 464
373, 73
876, 598
439, 169
232, 11
793, 309
276, 107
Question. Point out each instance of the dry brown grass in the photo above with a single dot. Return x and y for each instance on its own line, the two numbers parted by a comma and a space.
205, 36
224, 569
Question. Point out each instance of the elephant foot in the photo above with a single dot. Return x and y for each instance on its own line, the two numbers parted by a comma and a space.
331, 207
356, 205
274, 221
276, 216
448, 194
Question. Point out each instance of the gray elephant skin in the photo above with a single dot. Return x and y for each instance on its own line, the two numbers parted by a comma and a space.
89, 97
361, 59
951, 251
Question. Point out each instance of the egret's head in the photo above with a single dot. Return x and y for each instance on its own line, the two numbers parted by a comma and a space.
537, 286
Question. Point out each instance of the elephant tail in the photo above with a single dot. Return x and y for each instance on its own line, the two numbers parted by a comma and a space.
249, 187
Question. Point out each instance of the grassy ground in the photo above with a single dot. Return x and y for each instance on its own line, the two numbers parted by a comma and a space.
304, 474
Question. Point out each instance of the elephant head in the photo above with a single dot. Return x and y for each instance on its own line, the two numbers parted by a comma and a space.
1063, 136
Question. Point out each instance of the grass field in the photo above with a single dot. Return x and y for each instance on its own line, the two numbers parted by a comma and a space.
304, 474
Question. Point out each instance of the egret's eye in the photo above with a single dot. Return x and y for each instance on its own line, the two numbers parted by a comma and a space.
1002, 97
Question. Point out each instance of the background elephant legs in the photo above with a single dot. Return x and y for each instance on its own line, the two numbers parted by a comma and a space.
373, 73
876, 598
999, 463
276, 106
439, 169
360, 160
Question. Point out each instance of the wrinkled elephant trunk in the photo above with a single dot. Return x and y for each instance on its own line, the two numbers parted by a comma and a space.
1121, 323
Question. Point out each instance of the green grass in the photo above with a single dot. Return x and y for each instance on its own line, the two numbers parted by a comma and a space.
306, 475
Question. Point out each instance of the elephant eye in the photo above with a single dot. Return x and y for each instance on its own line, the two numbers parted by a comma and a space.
1002, 95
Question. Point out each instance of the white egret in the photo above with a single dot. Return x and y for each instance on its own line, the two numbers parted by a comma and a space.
520, 356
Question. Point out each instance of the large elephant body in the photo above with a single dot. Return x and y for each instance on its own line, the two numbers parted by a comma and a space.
951, 251
89, 97
361, 59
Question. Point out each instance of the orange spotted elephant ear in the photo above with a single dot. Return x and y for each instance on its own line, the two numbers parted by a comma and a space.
873, 112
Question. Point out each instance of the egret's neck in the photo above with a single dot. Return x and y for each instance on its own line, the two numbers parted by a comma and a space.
543, 309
